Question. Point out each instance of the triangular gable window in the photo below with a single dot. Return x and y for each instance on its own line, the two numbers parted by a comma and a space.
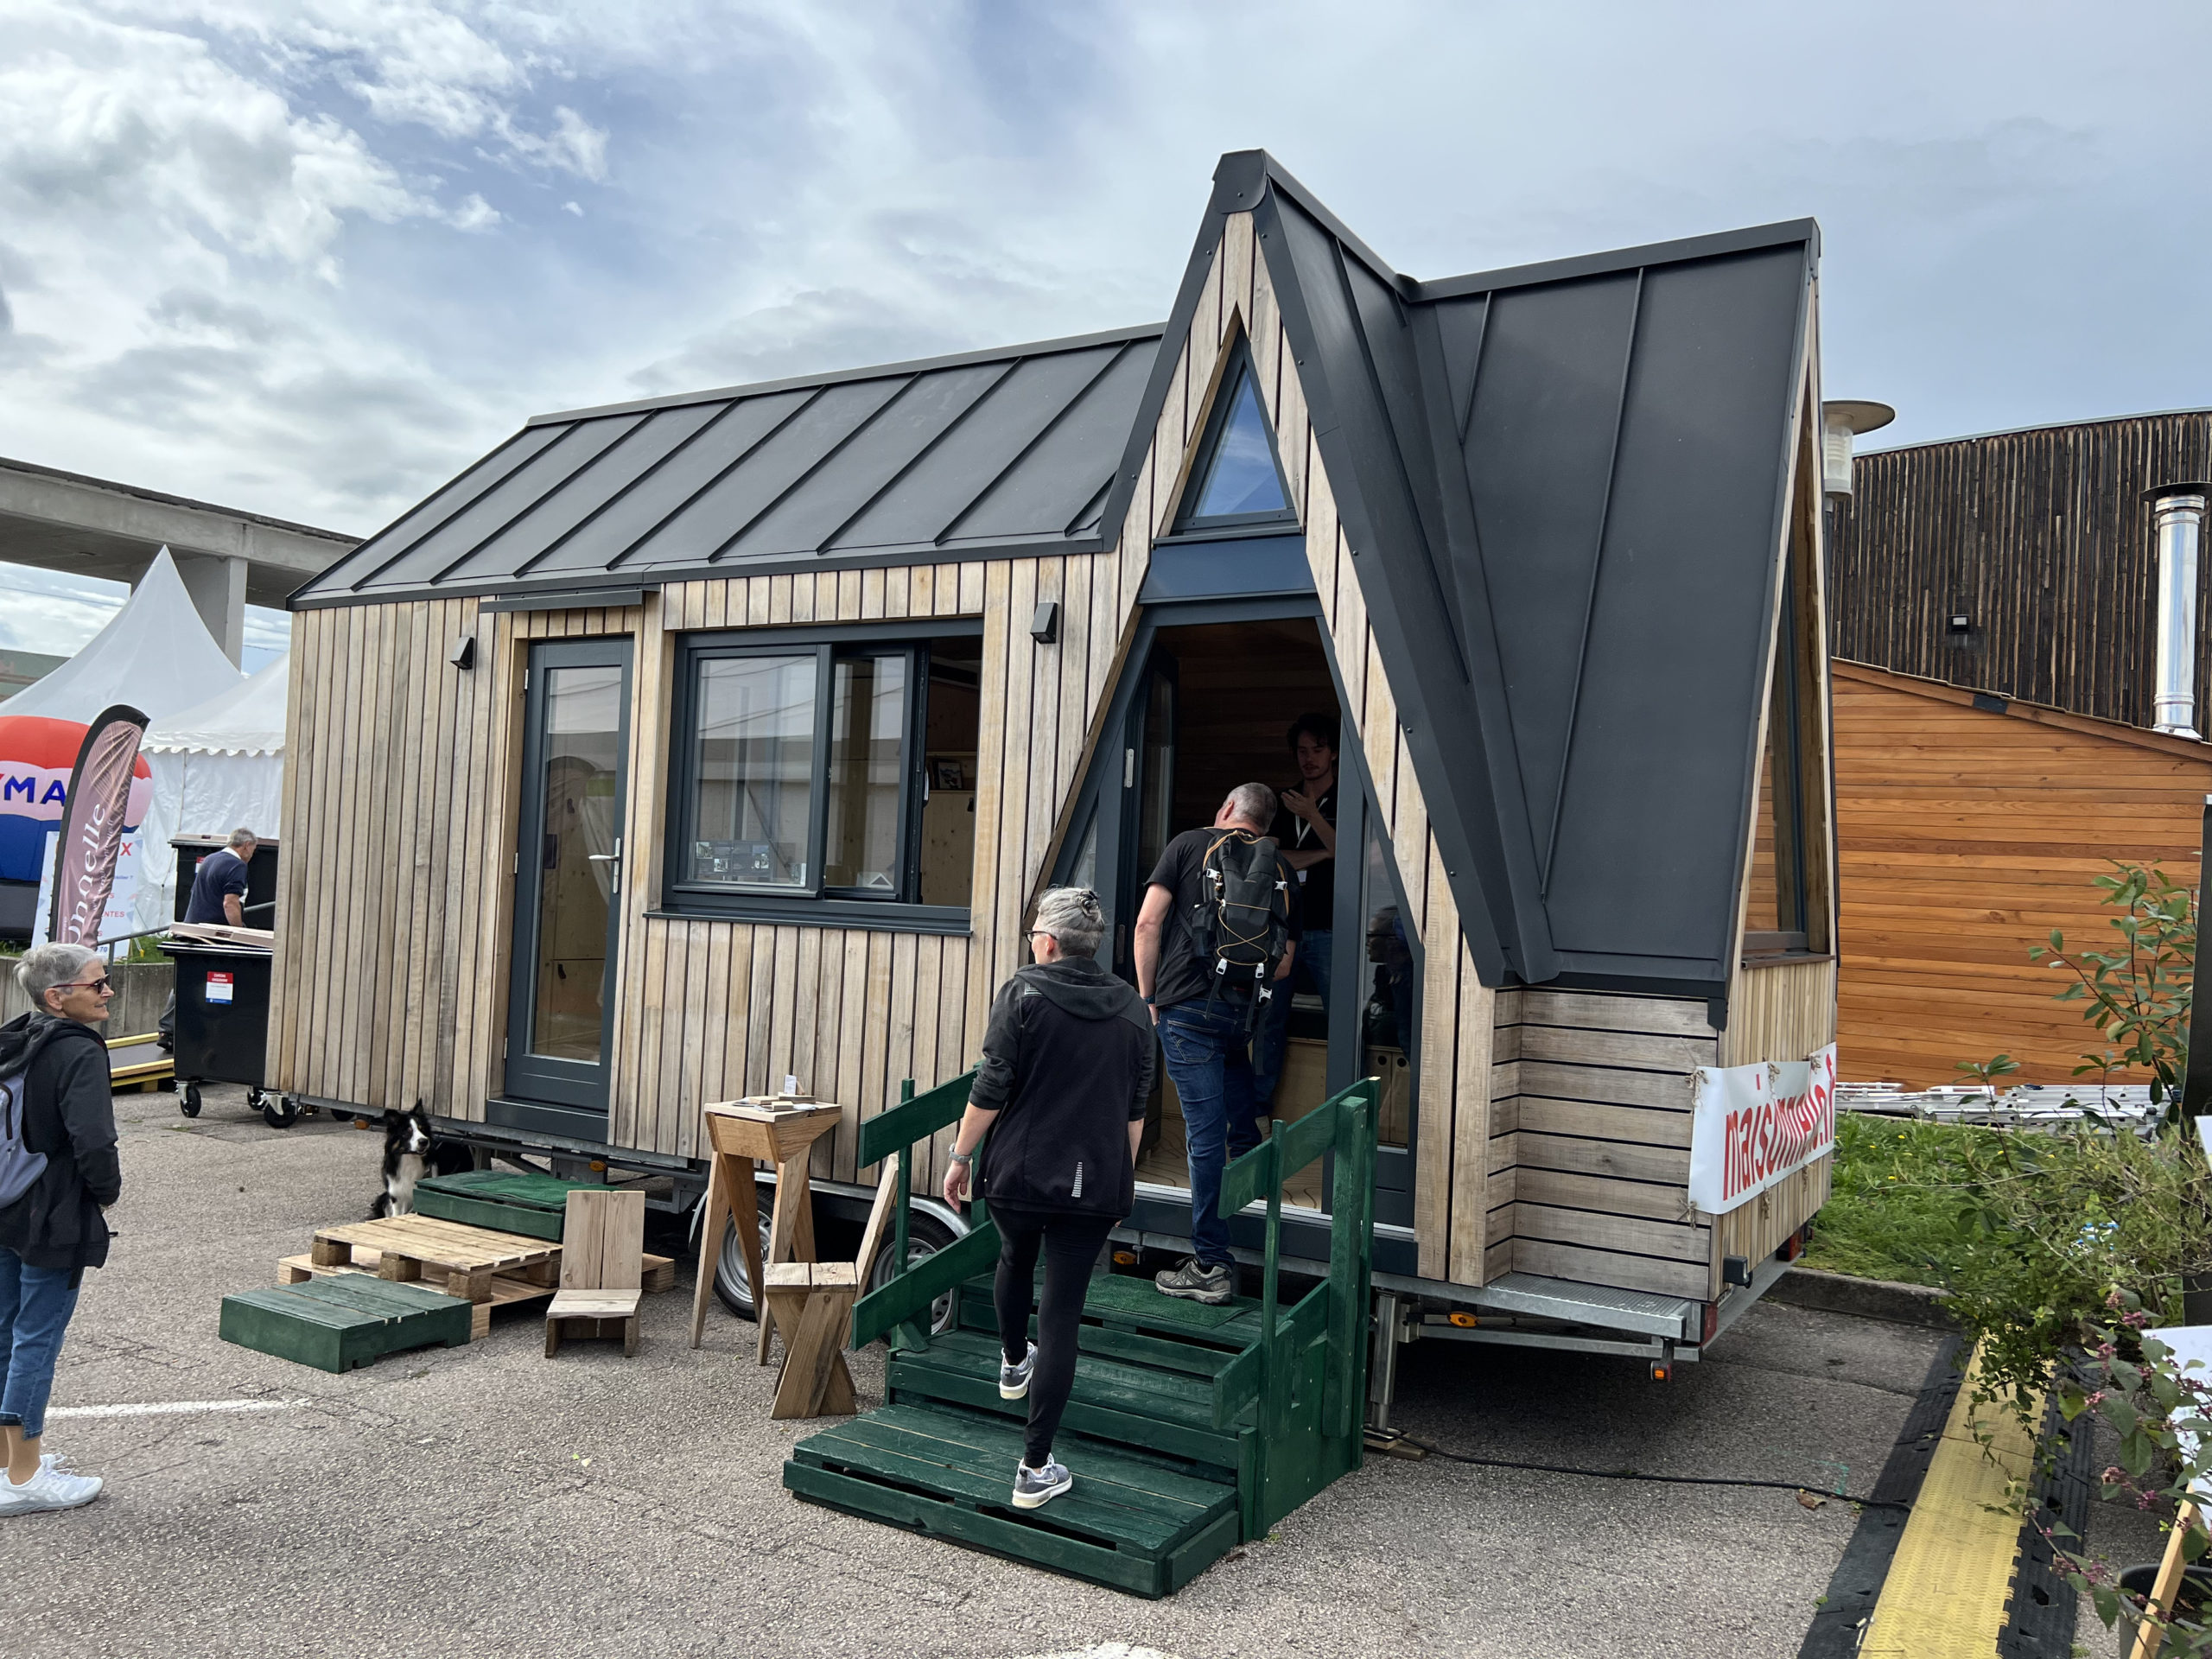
1238, 480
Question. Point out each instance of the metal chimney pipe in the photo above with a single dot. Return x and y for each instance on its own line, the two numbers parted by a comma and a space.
2178, 510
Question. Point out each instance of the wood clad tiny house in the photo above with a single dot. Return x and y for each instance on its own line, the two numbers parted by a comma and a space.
680, 746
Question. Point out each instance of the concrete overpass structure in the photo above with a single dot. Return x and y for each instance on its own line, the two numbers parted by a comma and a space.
91, 527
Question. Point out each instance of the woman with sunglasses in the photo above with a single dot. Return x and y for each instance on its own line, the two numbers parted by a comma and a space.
1066, 1069
54, 1087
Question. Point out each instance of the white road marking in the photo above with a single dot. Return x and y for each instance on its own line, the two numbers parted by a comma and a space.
176, 1408
1102, 1650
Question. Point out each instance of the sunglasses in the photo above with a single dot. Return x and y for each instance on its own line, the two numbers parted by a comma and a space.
102, 983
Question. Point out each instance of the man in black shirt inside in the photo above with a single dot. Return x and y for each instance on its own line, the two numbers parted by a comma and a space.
1305, 829
1204, 1031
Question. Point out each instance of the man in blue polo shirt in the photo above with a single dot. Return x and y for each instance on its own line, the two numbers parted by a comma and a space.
218, 883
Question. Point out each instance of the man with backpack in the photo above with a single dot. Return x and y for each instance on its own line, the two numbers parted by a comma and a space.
58, 1171
1218, 933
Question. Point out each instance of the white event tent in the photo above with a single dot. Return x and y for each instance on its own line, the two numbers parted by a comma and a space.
154, 654
217, 767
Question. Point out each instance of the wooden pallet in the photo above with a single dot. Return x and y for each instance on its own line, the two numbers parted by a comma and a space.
507, 1290
505, 1200
1138, 1523
465, 1260
336, 1324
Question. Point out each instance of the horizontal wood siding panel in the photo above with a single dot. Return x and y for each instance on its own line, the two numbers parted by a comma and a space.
1944, 891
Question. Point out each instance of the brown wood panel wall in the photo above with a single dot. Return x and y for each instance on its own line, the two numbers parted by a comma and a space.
2042, 538
1968, 834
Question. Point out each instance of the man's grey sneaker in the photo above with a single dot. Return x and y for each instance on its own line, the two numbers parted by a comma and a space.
1212, 1286
49, 1488
1013, 1380
1034, 1487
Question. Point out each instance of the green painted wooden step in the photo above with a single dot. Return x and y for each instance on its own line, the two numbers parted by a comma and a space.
505, 1200
348, 1320
1135, 1304
1114, 1381
1132, 1522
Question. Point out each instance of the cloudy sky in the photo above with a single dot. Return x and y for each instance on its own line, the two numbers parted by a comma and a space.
310, 257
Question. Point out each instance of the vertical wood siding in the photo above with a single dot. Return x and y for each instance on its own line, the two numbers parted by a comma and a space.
2042, 538
1968, 834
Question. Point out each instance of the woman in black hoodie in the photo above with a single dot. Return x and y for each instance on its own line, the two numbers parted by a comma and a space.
1066, 1069
53, 1083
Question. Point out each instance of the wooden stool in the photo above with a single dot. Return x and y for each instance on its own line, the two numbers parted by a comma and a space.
602, 1269
737, 1136
813, 1303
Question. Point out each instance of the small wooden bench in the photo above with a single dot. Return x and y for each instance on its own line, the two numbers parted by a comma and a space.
602, 1269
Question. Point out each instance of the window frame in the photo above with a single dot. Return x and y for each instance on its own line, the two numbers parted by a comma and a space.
816, 903
1188, 520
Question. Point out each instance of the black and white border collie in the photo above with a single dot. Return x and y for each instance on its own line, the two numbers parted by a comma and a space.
412, 1150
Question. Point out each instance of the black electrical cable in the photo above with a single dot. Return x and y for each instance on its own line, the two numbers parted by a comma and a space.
1663, 1480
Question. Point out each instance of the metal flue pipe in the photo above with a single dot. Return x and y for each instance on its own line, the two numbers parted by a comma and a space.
2178, 511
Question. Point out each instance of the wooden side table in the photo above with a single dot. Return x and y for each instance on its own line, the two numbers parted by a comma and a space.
738, 1137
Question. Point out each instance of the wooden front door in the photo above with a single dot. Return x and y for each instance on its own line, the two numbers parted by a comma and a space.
568, 873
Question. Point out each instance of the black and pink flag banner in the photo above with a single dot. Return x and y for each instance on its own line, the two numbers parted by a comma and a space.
91, 824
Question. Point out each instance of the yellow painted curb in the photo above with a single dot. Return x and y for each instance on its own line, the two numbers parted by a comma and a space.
1945, 1595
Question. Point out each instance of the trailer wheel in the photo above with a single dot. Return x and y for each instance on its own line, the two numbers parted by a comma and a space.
925, 1236
732, 1288
188, 1100
279, 1111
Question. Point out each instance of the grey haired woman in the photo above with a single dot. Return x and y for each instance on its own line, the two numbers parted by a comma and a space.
1066, 1070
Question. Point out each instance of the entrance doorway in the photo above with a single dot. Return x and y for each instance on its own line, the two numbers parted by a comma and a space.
1210, 704
568, 876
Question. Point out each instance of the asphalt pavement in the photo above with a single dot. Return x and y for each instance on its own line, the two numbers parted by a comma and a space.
486, 1501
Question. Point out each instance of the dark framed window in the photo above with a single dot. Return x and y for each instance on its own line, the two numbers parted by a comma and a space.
1239, 479
825, 774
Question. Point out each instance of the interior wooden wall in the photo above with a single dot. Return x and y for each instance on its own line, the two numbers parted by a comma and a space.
1968, 834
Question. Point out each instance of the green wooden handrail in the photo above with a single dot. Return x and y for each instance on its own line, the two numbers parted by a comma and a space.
909, 1291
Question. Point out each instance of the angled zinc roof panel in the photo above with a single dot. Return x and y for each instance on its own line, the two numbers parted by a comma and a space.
699, 530
918, 412
1070, 460
647, 444
573, 451
392, 544
604, 540
920, 507
1670, 693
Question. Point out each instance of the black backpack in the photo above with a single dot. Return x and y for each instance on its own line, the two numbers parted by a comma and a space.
1241, 925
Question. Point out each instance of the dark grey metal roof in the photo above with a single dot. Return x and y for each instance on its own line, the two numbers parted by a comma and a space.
949, 458
1566, 485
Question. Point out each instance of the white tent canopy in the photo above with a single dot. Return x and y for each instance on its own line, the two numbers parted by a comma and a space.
154, 654
218, 766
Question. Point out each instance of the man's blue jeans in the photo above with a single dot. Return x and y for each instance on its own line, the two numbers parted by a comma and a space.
35, 1304
1209, 1061
1309, 966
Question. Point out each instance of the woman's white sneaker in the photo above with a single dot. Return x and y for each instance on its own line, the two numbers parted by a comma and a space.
49, 1488
1013, 1380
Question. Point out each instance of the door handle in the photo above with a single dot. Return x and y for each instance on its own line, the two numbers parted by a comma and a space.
604, 858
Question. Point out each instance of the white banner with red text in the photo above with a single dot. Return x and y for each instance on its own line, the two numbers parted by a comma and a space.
1756, 1124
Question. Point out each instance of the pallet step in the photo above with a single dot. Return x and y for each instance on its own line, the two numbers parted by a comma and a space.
1129, 1303
505, 1200
1131, 1521
1113, 1382
339, 1323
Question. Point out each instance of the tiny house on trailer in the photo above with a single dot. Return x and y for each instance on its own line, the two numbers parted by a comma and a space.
686, 745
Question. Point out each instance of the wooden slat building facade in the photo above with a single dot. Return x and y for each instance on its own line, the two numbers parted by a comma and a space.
1553, 1131
1987, 774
